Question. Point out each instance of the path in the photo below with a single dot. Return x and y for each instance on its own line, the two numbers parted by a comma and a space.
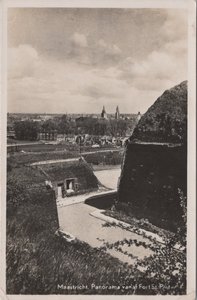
53, 161
108, 178
81, 198
86, 222
24, 144
77, 220
101, 151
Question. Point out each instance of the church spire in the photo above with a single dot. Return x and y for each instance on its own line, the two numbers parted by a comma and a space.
117, 113
103, 113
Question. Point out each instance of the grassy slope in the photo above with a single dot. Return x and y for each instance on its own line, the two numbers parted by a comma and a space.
169, 111
37, 260
124, 216
110, 158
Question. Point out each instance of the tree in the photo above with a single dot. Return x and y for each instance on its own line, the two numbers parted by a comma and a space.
118, 127
86, 125
63, 124
113, 127
49, 125
26, 130
101, 127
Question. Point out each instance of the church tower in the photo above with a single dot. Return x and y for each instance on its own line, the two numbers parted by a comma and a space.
117, 113
103, 113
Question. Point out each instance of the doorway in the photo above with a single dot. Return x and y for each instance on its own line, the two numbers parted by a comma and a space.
60, 190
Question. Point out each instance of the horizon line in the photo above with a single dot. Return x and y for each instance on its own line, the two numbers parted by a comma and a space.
71, 113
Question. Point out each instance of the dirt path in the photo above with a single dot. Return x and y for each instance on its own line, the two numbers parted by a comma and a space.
81, 198
45, 162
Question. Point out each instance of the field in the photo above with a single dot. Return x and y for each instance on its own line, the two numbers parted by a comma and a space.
103, 156
40, 146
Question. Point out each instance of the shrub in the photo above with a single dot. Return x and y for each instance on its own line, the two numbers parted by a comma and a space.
166, 267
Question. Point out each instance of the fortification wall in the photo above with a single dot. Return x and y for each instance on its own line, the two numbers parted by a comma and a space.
150, 178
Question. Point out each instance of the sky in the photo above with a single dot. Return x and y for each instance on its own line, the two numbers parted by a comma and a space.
75, 60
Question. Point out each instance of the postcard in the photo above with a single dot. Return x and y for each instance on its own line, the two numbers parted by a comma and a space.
98, 149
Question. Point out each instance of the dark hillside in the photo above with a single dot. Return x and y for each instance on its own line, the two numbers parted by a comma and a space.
155, 164
166, 120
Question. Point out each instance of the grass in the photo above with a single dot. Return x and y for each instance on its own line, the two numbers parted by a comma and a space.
20, 159
38, 261
39, 146
105, 167
142, 223
98, 158
105, 158
78, 169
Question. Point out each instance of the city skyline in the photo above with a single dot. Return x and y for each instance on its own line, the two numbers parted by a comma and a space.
76, 60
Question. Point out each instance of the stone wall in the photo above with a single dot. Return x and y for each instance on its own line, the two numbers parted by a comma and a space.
102, 201
149, 182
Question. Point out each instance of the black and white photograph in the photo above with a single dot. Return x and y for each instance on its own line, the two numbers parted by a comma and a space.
98, 142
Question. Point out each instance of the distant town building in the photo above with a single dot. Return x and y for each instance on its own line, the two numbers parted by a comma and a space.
10, 132
48, 135
103, 113
117, 113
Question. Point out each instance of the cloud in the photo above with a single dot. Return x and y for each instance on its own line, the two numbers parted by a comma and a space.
99, 88
93, 53
177, 47
56, 86
105, 54
108, 49
22, 61
166, 64
96, 69
160, 69
175, 25
79, 40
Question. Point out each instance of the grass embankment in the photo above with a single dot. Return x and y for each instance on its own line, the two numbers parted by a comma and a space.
105, 158
20, 159
103, 167
40, 146
98, 158
37, 260
142, 223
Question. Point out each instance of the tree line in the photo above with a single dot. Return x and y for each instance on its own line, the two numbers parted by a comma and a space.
29, 130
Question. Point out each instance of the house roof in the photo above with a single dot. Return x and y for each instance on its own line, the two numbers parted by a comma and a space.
73, 169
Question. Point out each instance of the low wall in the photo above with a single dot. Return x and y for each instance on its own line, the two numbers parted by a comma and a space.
150, 178
102, 201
